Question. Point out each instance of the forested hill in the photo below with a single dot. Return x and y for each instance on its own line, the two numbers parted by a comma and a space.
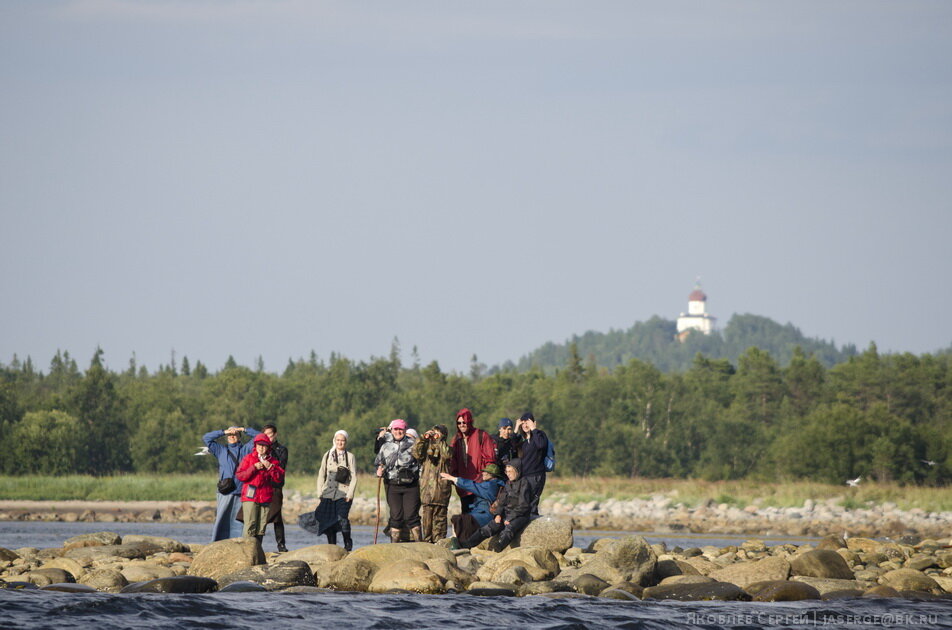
654, 342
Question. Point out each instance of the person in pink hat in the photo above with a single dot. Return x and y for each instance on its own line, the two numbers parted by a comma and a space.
401, 474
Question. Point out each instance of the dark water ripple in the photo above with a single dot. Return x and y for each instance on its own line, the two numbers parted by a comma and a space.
62, 611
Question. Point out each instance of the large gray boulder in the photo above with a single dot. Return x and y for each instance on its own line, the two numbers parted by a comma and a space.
629, 559
96, 553
349, 574
830, 585
273, 577
316, 555
168, 545
782, 591
821, 563
745, 573
145, 571
541, 564
407, 575
108, 580
94, 539
721, 591
910, 580
224, 557
386, 554
547, 532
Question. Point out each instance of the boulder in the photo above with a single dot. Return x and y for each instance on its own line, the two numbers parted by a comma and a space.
783, 591
67, 564
828, 585
108, 580
92, 540
589, 584
273, 577
687, 579
721, 591
920, 562
844, 594
407, 575
349, 574
491, 589
450, 572
745, 573
316, 555
614, 593
629, 559
517, 574
672, 566
548, 532
224, 557
19, 586
861, 545
701, 564
832, 542
944, 581
383, 555
68, 587
245, 587
145, 572
8, 556
45, 577
540, 563
546, 586
177, 584
821, 563
909, 580
168, 545
96, 553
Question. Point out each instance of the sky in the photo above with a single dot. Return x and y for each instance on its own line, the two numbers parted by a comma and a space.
267, 178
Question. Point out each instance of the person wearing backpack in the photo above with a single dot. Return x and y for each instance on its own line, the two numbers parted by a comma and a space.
535, 450
229, 488
401, 475
473, 449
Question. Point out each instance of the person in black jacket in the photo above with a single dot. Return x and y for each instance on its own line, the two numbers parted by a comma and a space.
280, 452
507, 443
534, 446
511, 511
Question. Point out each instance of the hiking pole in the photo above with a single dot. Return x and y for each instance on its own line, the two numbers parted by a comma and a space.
377, 525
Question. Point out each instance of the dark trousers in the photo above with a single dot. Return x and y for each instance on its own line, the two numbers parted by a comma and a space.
537, 484
404, 504
506, 532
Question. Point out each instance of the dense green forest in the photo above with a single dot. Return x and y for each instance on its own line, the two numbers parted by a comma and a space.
887, 417
654, 341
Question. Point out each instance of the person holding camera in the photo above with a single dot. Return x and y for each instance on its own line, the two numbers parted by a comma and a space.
260, 472
336, 484
280, 452
507, 443
229, 488
401, 475
434, 456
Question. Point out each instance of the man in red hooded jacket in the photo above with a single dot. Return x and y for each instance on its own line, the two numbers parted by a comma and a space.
473, 450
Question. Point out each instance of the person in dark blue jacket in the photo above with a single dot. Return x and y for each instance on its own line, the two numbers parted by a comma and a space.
485, 493
229, 456
535, 444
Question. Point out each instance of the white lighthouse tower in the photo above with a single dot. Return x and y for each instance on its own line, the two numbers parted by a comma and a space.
697, 317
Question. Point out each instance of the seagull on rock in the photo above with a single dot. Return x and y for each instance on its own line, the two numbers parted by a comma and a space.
852, 483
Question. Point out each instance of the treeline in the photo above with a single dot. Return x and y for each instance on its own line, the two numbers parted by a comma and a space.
655, 342
887, 417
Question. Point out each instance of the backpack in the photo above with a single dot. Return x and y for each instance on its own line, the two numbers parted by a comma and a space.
549, 460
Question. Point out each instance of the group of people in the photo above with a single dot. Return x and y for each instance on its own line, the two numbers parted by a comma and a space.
499, 479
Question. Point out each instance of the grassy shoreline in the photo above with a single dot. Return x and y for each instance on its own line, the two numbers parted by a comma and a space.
572, 490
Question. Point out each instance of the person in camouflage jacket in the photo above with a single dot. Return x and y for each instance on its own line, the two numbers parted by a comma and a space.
434, 456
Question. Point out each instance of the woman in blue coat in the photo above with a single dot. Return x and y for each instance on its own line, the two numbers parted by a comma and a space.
228, 457
485, 492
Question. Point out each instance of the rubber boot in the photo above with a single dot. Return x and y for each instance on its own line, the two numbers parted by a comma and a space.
348, 542
394, 535
416, 534
331, 538
279, 537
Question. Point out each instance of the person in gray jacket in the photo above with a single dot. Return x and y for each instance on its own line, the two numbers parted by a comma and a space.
229, 456
401, 474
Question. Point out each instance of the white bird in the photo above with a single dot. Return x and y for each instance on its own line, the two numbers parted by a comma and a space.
928, 462
852, 483
202, 451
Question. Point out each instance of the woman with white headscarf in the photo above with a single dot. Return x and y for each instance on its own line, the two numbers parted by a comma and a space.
336, 482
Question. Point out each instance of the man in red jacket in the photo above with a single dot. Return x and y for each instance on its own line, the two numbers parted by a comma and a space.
260, 472
473, 450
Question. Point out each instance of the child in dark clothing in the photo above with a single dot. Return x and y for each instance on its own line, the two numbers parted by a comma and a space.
510, 511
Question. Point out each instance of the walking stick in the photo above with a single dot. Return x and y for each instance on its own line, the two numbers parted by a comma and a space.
377, 526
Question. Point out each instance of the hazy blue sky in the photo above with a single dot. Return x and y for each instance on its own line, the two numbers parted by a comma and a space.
270, 177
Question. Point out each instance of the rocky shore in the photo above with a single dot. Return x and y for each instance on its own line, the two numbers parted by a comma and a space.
543, 562
658, 513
